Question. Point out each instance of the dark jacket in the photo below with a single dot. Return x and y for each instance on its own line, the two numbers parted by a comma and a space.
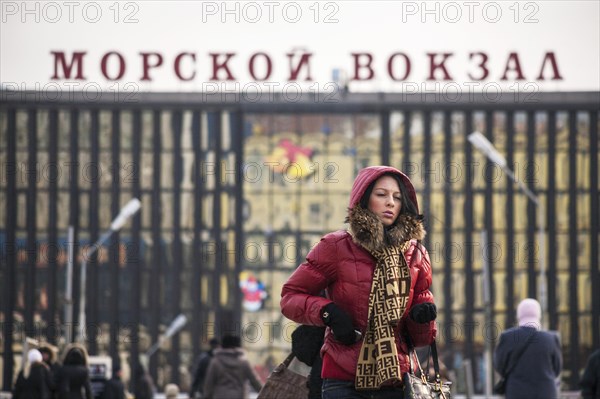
114, 389
227, 374
590, 380
52, 364
341, 263
73, 382
200, 372
73, 377
143, 385
38, 385
536, 372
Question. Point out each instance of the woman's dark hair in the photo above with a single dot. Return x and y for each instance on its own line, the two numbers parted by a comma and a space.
230, 341
407, 205
75, 357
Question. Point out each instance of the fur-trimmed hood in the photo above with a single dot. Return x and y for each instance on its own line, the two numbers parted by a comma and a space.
366, 228
368, 231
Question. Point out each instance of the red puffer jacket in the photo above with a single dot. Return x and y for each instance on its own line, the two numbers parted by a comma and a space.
347, 269
340, 264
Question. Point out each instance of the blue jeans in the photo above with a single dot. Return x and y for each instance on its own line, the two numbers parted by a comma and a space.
338, 389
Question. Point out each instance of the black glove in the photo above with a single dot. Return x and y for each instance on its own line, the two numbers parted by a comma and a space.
423, 312
307, 342
340, 323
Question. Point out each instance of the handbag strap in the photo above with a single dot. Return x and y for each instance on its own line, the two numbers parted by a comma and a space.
288, 360
436, 366
519, 353
434, 356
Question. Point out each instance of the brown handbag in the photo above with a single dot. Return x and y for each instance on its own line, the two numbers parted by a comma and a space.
284, 383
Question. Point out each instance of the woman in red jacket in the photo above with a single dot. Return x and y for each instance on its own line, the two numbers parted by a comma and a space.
377, 277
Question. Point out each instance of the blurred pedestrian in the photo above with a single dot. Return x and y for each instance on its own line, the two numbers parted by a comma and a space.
590, 380
535, 373
143, 384
171, 391
228, 372
34, 380
49, 356
73, 378
377, 276
200, 368
114, 388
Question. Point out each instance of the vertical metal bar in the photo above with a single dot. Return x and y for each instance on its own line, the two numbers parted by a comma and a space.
406, 139
11, 251
115, 241
155, 277
469, 230
425, 175
175, 297
52, 225
510, 224
69, 284
74, 204
531, 208
136, 249
487, 303
573, 252
448, 217
595, 217
30, 288
214, 133
489, 207
551, 234
198, 259
384, 120
94, 226
237, 119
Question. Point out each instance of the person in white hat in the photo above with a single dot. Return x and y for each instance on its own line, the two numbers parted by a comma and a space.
528, 358
34, 381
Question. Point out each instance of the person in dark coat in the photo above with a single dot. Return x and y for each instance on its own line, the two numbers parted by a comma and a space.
536, 373
114, 388
228, 372
143, 384
306, 346
49, 359
73, 378
34, 381
201, 367
590, 380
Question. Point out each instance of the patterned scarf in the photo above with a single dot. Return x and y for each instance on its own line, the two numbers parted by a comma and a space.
378, 359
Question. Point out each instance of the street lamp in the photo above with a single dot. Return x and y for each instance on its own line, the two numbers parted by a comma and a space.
130, 209
483, 144
177, 324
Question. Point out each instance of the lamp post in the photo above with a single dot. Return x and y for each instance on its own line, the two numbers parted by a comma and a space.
480, 142
130, 209
176, 325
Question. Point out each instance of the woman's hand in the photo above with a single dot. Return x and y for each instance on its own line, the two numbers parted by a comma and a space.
423, 312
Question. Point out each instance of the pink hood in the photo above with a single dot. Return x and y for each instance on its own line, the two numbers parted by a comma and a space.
367, 175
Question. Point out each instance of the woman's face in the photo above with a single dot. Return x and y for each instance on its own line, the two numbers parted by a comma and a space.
385, 200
